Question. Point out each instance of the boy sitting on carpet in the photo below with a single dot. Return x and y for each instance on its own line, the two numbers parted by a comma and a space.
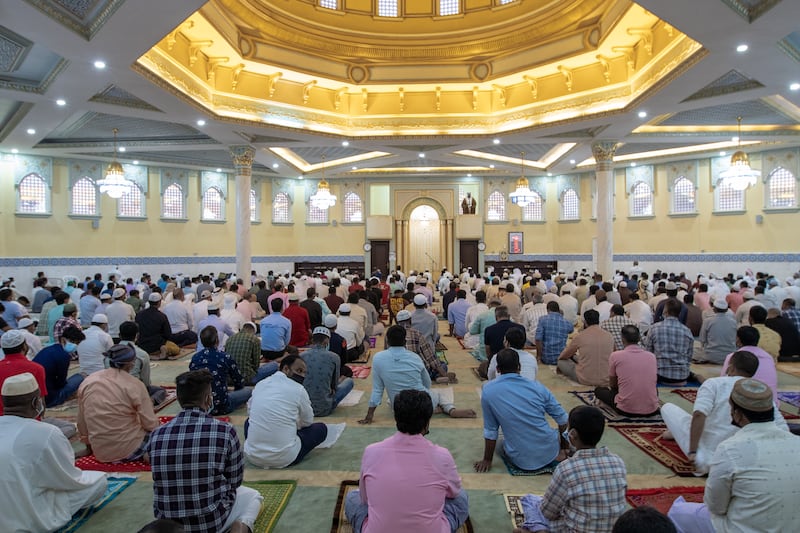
587, 492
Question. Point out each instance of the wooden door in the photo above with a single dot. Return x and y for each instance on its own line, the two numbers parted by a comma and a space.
379, 256
468, 254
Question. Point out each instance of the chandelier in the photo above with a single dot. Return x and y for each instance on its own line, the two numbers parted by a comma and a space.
739, 176
323, 199
114, 183
523, 195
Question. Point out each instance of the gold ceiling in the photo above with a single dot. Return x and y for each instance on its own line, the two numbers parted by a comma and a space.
490, 69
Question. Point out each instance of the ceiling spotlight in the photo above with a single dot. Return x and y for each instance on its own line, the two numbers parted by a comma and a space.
642, 114
31, 131
353, 168
496, 141
201, 122
491, 166
61, 102
549, 173
99, 65
422, 154
469, 175
723, 153
345, 143
14, 151
571, 161
734, 139
633, 163
219, 170
795, 86
275, 165
135, 161
742, 48
299, 177
121, 148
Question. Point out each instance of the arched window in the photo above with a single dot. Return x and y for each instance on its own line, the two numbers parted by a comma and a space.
570, 205
726, 198
387, 8
255, 214
353, 208
32, 195
781, 189
213, 204
131, 204
173, 203
683, 193
641, 200
448, 7
280, 208
315, 215
534, 212
496, 206
84, 198
329, 4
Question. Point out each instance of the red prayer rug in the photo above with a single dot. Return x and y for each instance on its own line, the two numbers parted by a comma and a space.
691, 395
662, 498
360, 372
648, 439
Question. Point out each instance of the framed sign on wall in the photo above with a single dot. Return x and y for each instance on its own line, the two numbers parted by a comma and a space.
515, 243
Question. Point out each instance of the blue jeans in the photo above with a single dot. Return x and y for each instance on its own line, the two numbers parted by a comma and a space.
342, 389
456, 510
238, 398
55, 398
264, 371
310, 437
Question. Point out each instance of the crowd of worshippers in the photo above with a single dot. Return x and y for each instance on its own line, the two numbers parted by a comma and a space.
594, 332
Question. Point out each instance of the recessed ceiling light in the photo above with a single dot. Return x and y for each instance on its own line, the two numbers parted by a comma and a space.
31, 131
299, 177
642, 114
491, 166
422, 154
723, 153
795, 86
275, 165
742, 48
469, 175
219, 170
99, 65
135, 161
61, 102
354, 168
121, 148
345, 143
571, 161
496, 141
14, 151
549, 173
633, 163
734, 139
201, 122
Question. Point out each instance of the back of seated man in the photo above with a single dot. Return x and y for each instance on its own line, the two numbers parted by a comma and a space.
407, 482
323, 381
55, 361
585, 359
515, 340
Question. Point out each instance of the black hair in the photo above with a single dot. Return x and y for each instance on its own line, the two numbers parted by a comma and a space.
209, 337
412, 411
288, 361
507, 361
591, 317
396, 335
276, 305
641, 519
128, 330
553, 307
192, 386
73, 334
758, 314
589, 422
631, 334
461, 293
748, 336
516, 337
744, 361
756, 416
617, 309
61, 297
672, 307
480, 297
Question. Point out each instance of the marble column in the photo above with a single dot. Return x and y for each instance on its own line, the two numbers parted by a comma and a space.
398, 245
450, 259
442, 259
243, 162
604, 157
406, 248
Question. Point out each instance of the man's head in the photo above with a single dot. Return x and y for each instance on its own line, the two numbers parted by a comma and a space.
501, 313
515, 338
751, 402
294, 367
194, 389
276, 305
630, 335
553, 307
128, 331
742, 363
209, 337
21, 396
585, 426
13, 342
672, 307
61, 298
617, 310
591, 318
121, 356
507, 361
396, 336
747, 336
644, 518
480, 297
758, 315
321, 336
403, 316
600, 296
787, 304
101, 321
461, 294
420, 301
412, 411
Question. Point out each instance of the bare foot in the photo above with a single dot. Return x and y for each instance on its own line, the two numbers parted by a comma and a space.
562, 455
462, 413
667, 435
442, 380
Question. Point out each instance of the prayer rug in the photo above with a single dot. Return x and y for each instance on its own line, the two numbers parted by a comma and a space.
340, 523
171, 397
364, 359
789, 368
276, 496
648, 439
69, 404
691, 395
115, 486
611, 415
514, 470
689, 383
514, 508
334, 432
440, 347
477, 374
360, 372
790, 397
352, 398
662, 498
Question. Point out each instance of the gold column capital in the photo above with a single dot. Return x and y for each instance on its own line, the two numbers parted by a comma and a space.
243, 156
603, 152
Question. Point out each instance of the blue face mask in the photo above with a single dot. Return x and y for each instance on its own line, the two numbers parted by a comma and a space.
70, 347
565, 434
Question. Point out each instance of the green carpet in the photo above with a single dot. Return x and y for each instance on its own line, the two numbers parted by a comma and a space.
276, 497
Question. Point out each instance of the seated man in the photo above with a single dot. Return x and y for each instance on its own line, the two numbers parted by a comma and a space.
717, 334
281, 430
425, 321
198, 465
224, 330
14, 361
352, 331
180, 320
495, 335
397, 369
699, 434
552, 332
418, 344
587, 492
91, 351
324, 383
518, 406
55, 360
632, 376
515, 340
408, 466
276, 330
747, 340
129, 333
301, 323
154, 330
585, 359
224, 369
115, 413
673, 345
41, 487
245, 348
752, 482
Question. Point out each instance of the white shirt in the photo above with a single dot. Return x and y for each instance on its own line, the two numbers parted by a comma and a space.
91, 349
180, 319
41, 487
604, 308
639, 312
530, 319
527, 362
569, 307
278, 408
200, 312
474, 312
351, 330
117, 313
34, 343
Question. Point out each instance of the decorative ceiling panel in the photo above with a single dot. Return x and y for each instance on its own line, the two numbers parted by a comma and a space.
11, 113
752, 112
588, 133
791, 45
117, 96
84, 17
13, 49
265, 139
533, 152
731, 82
26, 66
635, 148
750, 10
210, 159
313, 155
99, 126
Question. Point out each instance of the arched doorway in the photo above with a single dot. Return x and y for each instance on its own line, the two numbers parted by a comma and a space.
424, 244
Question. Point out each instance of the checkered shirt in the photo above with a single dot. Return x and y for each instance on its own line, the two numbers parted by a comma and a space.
197, 465
673, 345
245, 349
223, 368
794, 316
418, 344
614, 326
552, 330
62, 324
587, 492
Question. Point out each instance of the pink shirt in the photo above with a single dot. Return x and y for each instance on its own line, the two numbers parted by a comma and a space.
405, 480
766, 373
636, 371
702, 300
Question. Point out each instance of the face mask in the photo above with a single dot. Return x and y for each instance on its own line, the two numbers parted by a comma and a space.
565, 434
40, 409
210, 407
70, 347
298, 378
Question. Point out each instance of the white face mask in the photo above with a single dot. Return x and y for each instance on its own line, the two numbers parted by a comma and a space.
40, 408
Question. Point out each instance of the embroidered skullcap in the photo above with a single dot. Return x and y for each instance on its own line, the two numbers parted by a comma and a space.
12, 339
752, 395
420, 299
320, 330
403, 315
331, 321
19, 385
154, 297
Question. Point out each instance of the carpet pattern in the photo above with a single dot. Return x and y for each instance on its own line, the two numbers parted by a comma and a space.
340, 523
514, 508
115, 487
611, 415
662, 498
691, 395
790, 397
648, 439
514, 470
364, 359
360, 372
276, 496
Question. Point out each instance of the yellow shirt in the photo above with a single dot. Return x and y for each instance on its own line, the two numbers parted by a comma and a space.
769, 340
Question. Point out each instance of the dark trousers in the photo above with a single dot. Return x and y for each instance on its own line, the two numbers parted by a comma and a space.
355, 353
271, 355
310, 437
607, 394
184, 338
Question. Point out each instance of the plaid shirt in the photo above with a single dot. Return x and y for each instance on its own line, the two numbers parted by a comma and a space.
587, 492
673, 345
222, 368
197, 465
794, 316
614, 326
62, 324
245, 348
418, 344
552, 330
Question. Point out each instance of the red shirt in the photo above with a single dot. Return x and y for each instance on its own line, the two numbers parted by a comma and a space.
301, 324
15, 364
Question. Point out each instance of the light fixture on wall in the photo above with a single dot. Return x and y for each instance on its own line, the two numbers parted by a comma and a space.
114, 183
739, 176
523, 195
323, 199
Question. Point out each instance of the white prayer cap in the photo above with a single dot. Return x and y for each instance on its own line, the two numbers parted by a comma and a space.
119, 292
294, 297
748, 294
100, 318
344, 308
331, 321
154, 297
12, 338
105, 296
24, 323
320, 330
205, 294
721, 304
213, 306
622, 284
403, 315
20, 384
420, 299
671, 286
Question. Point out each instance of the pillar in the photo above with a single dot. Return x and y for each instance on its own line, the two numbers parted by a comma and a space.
407, 247
398, 245
450, 260
604, 158
243, 162
442, 246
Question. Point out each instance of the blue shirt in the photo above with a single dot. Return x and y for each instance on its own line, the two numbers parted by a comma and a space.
518, 406
396, 369
87, 306
55, 361
552, 330
222, 367
276, 330
457, 315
